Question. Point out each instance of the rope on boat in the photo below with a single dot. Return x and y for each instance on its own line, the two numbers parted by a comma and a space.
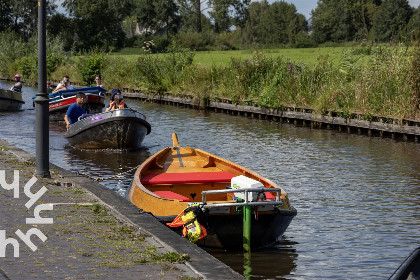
107, 178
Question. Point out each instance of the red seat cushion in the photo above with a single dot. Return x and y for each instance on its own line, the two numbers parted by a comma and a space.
172, 195
183, 178
268, 195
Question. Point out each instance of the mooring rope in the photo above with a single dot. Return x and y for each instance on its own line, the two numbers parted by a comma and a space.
107, 178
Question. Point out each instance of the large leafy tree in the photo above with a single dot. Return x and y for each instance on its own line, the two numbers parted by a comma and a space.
220, 15
191, 15
146, 15
98, 23
278, 23
241, 13
155, 15
58, 25
21, 16
167, 16
332, 22
5, 14
223, 13
286, 22
392, 19
362, 13
256, 27
413, 26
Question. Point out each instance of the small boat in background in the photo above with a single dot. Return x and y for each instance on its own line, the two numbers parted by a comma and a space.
10, 100
409, 269
177, 177
116, 129
61, 100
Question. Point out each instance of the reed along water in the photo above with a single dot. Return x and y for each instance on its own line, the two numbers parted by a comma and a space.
358, 198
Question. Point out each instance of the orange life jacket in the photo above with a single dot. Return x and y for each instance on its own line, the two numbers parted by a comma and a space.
117, 106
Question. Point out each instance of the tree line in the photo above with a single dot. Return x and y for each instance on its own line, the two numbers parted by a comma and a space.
213, 24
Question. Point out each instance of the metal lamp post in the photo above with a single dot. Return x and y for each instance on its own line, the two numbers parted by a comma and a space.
41, 100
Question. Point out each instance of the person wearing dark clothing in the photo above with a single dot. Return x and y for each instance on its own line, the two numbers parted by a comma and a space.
18, 84
49, 87
98, 81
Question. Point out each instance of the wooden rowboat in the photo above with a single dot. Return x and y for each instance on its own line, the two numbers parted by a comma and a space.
10, 100
115, 129
176, 177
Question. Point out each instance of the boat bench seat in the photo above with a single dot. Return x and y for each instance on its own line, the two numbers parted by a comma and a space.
172, 195
185, 178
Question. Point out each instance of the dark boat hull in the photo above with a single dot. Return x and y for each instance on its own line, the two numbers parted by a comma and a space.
267, 230
117, 129
227, 230
410, 268
10, 100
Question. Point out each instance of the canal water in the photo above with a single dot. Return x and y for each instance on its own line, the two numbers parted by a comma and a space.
358, 198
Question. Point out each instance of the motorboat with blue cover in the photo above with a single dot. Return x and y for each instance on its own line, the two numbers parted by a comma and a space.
61, 100
10, 100
116, 129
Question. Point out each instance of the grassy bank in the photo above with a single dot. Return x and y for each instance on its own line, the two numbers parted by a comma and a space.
223, 58
372, 80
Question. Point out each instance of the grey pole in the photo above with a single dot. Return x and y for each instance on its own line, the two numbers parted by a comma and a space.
41, 100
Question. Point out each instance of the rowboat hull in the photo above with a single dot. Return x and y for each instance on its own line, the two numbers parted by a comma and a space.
176, 177
10, 100
116, 129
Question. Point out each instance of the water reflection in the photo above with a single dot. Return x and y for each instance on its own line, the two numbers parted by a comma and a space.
358, 198
271, 263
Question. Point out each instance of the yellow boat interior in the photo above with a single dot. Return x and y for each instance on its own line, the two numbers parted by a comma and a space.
178, 176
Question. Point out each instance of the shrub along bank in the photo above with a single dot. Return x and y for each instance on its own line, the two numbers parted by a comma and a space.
387, 83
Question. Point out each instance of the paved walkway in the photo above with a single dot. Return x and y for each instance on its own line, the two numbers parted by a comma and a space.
85, 231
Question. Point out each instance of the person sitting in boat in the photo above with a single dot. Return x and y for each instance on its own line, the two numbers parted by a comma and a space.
67, 78
75, 110
98, 81
64, 84
18, 84
117, 101
49, 87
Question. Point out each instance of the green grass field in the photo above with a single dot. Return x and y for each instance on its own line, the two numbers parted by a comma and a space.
307, 56
222, 58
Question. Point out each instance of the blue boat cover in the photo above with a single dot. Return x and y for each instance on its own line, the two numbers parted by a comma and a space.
71, 92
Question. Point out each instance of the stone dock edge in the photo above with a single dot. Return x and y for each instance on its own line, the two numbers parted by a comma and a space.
203, 264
